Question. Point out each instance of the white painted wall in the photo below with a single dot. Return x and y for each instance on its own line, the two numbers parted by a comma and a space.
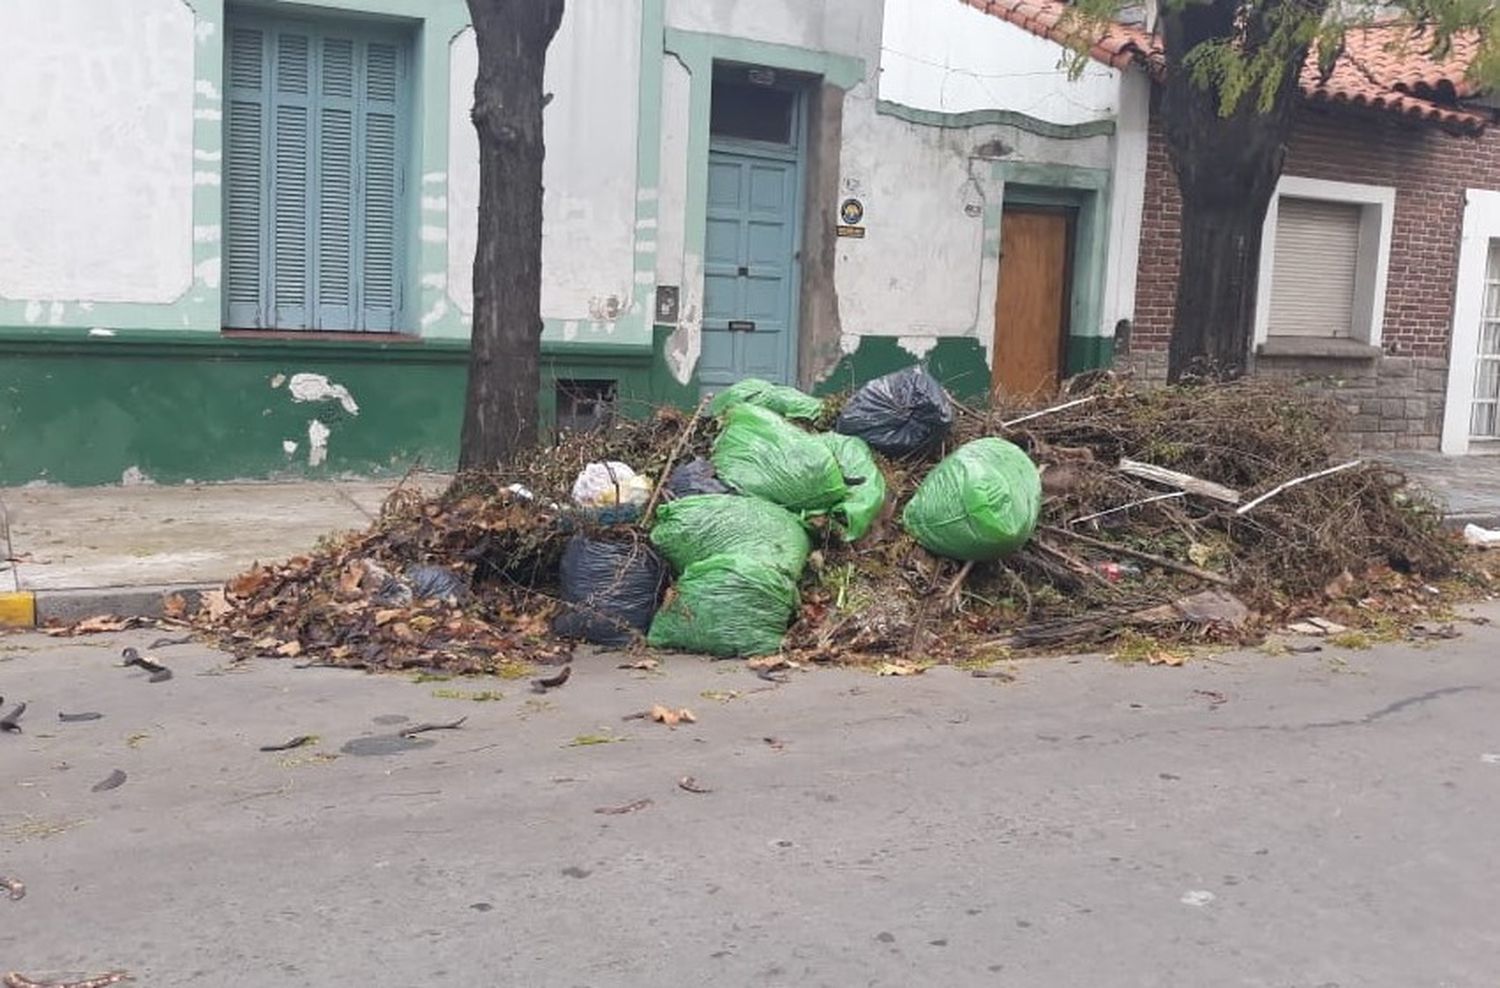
921, 270
96, 150
844, 27
946, 56
1127, 200
588, 242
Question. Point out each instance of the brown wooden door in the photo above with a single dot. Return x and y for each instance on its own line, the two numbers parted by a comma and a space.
1031, 304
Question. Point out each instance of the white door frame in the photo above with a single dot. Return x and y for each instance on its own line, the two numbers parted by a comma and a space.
1481, 225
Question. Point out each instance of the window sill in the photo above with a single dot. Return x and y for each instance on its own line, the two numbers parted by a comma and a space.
1318, 347
317, 334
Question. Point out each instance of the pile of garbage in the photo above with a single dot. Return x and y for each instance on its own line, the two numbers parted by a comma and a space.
896, 522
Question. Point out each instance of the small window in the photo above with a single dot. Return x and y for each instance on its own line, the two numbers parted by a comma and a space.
314, 148
749, 111
1316, 268
585, 405
1484, 419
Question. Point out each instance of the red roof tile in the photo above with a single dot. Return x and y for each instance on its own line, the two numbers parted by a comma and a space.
1384, 67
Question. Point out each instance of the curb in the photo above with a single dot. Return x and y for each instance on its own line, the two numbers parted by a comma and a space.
35, 608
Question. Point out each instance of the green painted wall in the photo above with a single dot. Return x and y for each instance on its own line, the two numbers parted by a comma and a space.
82, 410
958, 362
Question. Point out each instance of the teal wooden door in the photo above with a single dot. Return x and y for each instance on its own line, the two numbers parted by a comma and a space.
749, 270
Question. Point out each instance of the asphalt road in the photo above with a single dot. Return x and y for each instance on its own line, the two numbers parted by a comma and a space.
1300, 822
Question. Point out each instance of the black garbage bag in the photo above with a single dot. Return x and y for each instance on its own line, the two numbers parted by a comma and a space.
900, 414
435, 582
695, 477
610, 590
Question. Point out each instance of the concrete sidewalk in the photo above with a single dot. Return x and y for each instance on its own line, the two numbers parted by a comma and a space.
84, 551
79, 551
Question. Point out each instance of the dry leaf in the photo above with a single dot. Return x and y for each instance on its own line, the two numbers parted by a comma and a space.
423, 623
290, 650
214, 604
901, 668
351, 578
690, 784
1162, 657
248, 584
174, 605
385, 617
768, 663
631, 807
100, 624
670, 717
643, 665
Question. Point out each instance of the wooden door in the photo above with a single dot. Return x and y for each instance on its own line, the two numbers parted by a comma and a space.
1031, 305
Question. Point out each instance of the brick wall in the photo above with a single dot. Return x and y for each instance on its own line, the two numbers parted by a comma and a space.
1430, 170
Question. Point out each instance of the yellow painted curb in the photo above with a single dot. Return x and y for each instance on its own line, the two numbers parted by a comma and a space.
18, 610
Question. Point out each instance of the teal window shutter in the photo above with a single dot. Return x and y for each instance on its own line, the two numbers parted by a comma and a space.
245, 235
382, 179
314, 178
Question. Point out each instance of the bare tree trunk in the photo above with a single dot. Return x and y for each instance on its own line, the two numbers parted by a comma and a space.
500, 412
1227, 170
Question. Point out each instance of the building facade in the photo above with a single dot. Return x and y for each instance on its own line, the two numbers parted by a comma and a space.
247, 252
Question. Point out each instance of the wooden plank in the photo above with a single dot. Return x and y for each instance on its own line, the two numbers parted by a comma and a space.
1181, 481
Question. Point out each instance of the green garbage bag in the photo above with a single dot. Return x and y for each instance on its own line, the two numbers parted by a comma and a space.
787, 402
727, 605
762, 454
866, 485
691, 529
981, 502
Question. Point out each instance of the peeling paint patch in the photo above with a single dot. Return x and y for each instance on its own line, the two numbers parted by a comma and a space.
848, 342
435, 204
435, 314
203, 30
289, 447
645, 246
208, 113
436, 279
86, 306
55, 314
33, 311
917, 346
101, 331
206, 234
316, 387
649, 223
646, 277
647, 195
206, 89
278, 380
434, 234
570, 330
134, 477
205, 178
208, 272
605, 309
201, 155
317, 443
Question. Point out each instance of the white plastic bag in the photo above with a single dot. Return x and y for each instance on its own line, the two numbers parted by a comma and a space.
602, 485
1484, 538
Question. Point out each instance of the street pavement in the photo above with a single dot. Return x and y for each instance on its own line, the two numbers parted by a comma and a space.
1303, 821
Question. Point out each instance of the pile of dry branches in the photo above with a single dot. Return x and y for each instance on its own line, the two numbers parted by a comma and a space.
1116, 551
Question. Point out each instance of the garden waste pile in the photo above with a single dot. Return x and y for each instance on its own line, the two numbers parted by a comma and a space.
894, 522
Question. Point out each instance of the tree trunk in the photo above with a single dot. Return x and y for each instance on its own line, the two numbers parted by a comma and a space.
1227, 170
500, 412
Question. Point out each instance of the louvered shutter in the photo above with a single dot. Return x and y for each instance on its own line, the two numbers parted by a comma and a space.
1316, 264
336, 189
380, 284
314, 178
244, 180
291, 181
